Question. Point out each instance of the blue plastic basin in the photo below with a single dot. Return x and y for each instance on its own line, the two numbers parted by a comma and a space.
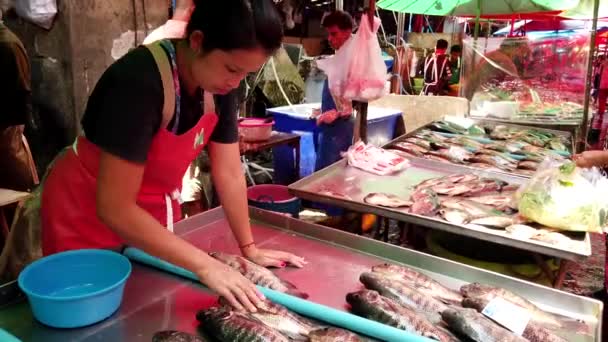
75, 288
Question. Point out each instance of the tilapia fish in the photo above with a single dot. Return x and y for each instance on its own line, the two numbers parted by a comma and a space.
333, 335
404, 295
500, 202
487, 293
474, 210
386, 200
454, 216
371, 305
494, 221
477, 327
533, 331
286, 322
419, 281
425, 201
231, 326
175, 336
257, 274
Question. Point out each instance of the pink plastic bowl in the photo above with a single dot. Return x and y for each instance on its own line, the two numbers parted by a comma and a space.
254, 130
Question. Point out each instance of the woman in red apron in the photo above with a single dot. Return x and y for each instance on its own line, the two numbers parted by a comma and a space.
148, 117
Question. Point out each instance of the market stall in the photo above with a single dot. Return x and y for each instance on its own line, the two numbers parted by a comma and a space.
495, 165
535, 80
155, 301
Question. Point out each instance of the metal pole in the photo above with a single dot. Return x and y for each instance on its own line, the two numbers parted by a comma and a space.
339, 5
589, 77
396, 80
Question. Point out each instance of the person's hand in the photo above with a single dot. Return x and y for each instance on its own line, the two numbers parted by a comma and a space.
269, 257
230, 284
591, 158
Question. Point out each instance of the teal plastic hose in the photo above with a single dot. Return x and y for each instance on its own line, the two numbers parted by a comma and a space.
317, 311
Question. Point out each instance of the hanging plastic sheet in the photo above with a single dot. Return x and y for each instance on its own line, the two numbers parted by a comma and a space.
540, 77
39, 12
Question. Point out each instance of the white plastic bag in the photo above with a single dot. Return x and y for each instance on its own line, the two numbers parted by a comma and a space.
357, 70
39, 12
565, 197
374, 159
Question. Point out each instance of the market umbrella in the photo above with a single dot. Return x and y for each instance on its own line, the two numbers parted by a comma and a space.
468, 8
477, 8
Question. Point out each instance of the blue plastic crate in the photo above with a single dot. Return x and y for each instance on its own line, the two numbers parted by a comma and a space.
381, 124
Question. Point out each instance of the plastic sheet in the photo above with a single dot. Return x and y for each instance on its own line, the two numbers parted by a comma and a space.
541, 75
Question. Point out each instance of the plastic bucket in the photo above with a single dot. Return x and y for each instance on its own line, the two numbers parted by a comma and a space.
273, 197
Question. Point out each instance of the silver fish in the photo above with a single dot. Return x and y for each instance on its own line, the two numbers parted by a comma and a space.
175, 336
404, 295
494, 221
371, 305
522, 231
454, 216
497, 201
533, 332
333, 335
257, 274
418, 281
487, 293
477, 327
286, 322
232, 326
386, 200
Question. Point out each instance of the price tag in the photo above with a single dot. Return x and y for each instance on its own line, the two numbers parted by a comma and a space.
507, 314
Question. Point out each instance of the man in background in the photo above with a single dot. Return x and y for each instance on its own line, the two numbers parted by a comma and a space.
455, 66
17, 171
597, 132
335, 124
436, 70
176, 26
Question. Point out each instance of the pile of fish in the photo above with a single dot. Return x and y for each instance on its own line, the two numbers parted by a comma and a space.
406, 299
500, 148
257, 274
271, 323
465, 199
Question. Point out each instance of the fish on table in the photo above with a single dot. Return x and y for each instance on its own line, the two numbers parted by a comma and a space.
176, 336
231, 326
371, 305
477, 327
257, 274
386, 200
425, 203
486, 293
419, 281
404, 295
333, 335
533, 331
285, 321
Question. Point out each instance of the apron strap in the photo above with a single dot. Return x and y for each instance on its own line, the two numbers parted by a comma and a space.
166, 75
208, 103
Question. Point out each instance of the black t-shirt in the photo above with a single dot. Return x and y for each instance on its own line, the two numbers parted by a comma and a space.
124, 112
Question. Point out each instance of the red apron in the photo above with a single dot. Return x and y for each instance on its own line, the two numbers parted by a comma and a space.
68, 207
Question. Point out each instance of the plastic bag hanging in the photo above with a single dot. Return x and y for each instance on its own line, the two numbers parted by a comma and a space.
357, 70
39, 12
565, 197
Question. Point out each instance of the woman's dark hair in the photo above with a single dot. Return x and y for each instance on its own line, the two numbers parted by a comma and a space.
338, 18
237, 24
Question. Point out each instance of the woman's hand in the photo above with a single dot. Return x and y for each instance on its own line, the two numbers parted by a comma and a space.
269, 257
230, 284
591, 158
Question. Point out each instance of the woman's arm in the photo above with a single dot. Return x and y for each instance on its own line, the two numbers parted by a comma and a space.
229, 181
591, 158
118, 184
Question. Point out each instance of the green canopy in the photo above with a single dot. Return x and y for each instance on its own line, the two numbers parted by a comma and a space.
584, 10
466, 8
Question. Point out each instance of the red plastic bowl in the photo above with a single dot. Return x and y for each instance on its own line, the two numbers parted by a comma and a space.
253, 130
